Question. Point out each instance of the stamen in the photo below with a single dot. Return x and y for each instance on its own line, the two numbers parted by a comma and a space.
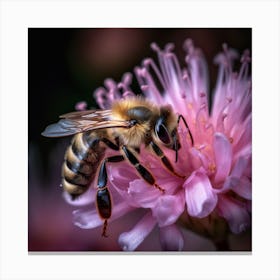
145, 79
112, 94
100, 97
126, 81
187, 80
80, 106
162, 63
209, 127
110, 84
222, 115
155, 47
188, 46
174, 64
204, 101
169, 47
202, 107
150, 63
127, 78
144, 87
212, 167
245, 60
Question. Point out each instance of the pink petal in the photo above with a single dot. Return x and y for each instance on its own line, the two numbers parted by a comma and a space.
200, 197
141, 194
84, 199
244, 137
90, 218
129, 241
239, 167
121, 175
86, 219
243, 187
168, 209
246, 151
171, 238
235, 213
204, 159
223, 156
236, 182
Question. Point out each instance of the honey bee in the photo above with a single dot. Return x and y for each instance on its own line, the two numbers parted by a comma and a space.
127, 125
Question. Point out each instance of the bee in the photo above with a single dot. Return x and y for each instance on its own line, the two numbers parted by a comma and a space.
127, 125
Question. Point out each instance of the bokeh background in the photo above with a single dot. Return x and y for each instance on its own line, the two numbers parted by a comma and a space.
65, 66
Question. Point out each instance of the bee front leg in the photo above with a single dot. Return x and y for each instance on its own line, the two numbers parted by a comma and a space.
143, 172
103, 197
165, 161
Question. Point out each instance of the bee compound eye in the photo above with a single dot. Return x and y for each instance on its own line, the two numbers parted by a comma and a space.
163, 133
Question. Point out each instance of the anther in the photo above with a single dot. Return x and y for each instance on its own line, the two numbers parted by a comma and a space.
155, 47
246, 57
147, 61
188, 46
109, 83
225, 47
212, 167
144, 87
169, 47
127, 78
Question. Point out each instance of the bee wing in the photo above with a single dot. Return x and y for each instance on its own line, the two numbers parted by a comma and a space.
88, 114
76, 122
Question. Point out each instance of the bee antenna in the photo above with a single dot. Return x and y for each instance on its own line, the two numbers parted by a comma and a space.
181, 117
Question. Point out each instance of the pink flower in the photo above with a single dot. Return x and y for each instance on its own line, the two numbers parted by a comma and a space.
80, 106
214, 196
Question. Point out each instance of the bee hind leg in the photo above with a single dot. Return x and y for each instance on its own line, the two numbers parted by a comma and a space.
103, 197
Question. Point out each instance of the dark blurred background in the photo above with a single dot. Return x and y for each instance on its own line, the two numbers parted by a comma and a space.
65, 66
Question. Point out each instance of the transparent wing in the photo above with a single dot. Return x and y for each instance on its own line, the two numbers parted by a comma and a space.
81, 121
89, 114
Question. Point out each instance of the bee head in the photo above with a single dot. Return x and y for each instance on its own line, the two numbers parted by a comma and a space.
165, 128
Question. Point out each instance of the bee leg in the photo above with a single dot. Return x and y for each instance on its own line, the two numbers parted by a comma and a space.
143, 172
157, 150
103, 197
110, 144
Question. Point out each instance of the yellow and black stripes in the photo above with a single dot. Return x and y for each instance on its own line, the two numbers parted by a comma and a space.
81, 162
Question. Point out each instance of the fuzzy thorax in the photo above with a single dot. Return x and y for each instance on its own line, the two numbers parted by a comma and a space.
125, 110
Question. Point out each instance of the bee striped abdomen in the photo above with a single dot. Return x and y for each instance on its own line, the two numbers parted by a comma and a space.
81, 162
